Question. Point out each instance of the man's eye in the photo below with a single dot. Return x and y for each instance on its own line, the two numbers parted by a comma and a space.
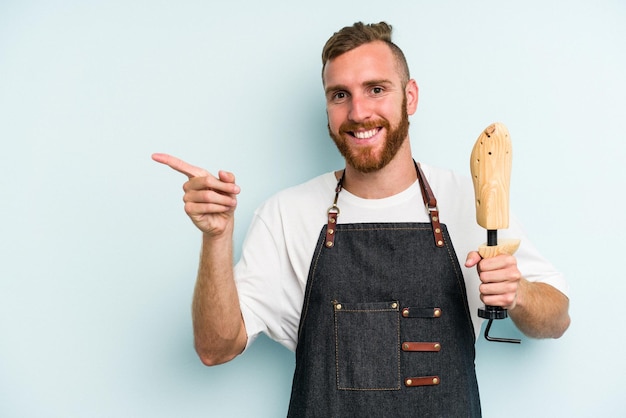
339, 97
377, 90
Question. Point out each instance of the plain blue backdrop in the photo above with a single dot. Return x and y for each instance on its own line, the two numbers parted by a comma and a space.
98, 260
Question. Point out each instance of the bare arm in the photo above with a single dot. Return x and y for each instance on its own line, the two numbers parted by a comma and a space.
219, 330
540, 310
210, 202
537, 309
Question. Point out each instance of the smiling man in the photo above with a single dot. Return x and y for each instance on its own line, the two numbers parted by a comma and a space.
369, 293
368, 116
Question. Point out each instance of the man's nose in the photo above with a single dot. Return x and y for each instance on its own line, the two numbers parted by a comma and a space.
360, 109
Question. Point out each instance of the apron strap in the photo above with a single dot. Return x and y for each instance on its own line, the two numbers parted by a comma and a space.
333, 213
430, 202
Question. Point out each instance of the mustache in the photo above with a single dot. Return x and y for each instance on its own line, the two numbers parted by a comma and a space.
353, 126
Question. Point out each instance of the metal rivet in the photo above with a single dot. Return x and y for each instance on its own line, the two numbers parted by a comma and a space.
437, 313
439, 242
394, 305
408, 382
329, 244
338, 306
435, 218
405, 346
331, 220
437, 230
405, 312
437, 346
331, 231
435, 381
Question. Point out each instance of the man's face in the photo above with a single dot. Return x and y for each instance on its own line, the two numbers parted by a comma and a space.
367, 106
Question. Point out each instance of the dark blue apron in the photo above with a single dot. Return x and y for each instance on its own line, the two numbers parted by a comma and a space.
385, 329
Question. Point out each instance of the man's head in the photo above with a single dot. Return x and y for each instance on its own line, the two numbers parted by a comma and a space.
351, 37
368, 95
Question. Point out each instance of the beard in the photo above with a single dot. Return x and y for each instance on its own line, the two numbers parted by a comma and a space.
365, 159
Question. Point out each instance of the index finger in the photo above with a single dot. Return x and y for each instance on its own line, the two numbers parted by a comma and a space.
180, 165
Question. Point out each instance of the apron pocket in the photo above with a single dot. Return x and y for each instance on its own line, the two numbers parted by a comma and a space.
367, 345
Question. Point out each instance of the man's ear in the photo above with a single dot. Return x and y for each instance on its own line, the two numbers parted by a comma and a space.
412, 94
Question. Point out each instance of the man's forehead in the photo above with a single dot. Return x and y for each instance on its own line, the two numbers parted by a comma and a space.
371, 61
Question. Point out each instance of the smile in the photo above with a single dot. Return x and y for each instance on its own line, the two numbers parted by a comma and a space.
365, 134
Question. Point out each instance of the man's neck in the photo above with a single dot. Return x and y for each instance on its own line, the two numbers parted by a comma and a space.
392, 179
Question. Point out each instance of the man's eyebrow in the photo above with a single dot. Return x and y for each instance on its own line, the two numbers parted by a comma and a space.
369, 83
336, 87
377, 82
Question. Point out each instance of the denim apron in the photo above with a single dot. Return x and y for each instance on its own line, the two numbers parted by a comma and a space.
385, 329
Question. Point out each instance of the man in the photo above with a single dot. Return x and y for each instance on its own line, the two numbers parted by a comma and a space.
376, 308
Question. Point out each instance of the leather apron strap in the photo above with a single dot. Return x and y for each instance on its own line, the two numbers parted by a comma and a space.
430, 203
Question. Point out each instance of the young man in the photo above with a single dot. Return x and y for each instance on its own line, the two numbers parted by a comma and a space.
373, 300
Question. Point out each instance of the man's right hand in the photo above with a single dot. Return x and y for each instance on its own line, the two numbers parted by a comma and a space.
218, 327
210, 201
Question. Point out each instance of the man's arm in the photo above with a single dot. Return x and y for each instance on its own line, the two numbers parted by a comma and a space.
218, 327
540, 310
537, 309
210, 202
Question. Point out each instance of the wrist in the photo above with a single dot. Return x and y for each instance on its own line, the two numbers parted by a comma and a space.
215, 238
520, 293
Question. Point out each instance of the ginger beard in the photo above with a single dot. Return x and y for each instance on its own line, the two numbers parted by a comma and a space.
364, 159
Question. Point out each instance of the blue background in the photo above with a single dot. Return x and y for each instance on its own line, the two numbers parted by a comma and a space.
98, 260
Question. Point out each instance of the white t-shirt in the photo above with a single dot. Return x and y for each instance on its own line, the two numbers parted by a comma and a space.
272, 273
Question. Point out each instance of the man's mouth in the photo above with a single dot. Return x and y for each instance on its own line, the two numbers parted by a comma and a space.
365, 134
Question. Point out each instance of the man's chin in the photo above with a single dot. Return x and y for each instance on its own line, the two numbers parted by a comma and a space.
365, 164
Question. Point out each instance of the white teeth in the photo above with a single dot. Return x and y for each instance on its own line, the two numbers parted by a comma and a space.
366, 134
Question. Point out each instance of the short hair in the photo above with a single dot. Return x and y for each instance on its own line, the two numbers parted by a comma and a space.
351, 37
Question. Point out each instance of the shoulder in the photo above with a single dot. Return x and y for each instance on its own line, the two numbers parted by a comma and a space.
444, 178
308, 200
454, 192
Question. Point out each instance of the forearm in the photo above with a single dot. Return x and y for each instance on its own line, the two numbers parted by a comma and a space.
219, 330
540, 310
